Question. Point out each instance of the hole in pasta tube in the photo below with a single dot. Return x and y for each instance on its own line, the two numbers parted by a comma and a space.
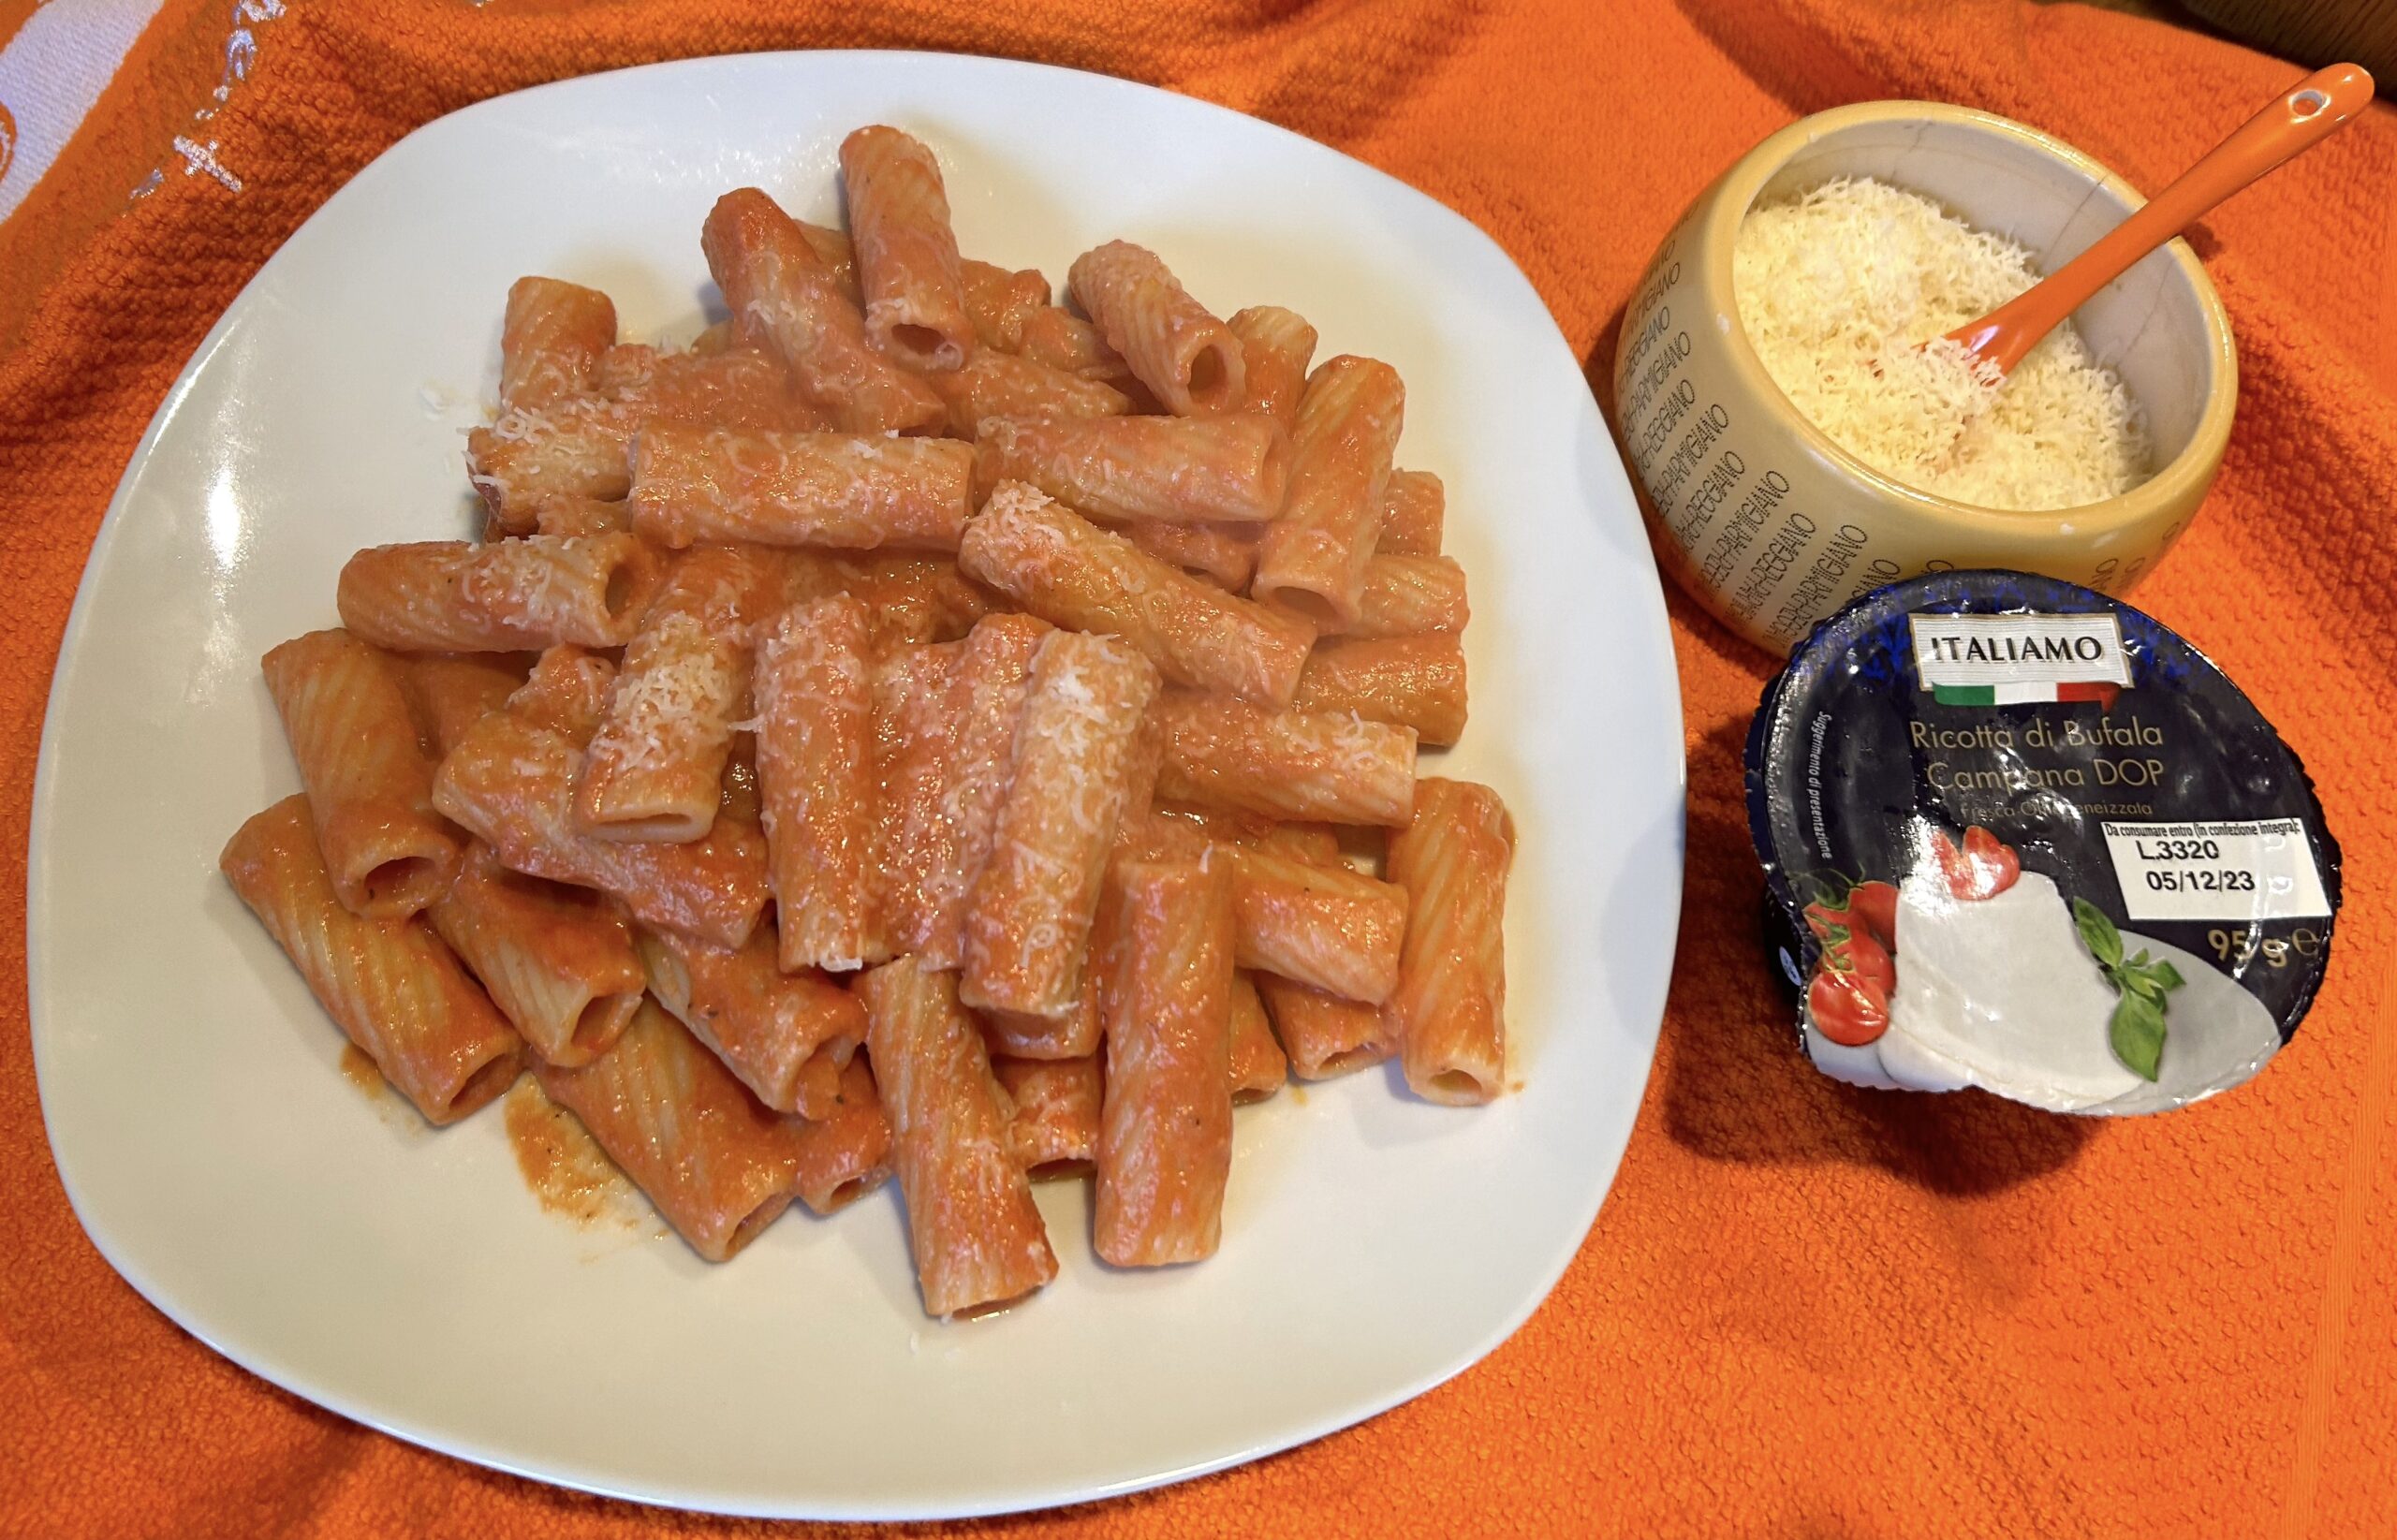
923, 342
1456, 1085
845, 1193
623, 584
403, 885
1211, 376
1350, 1059
643, 826
1057, 1170
1273, 472
1305, 604
993, 1307
485, 1084
754, 1222
602, 1021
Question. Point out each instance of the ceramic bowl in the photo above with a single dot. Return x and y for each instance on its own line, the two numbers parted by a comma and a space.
1769, 524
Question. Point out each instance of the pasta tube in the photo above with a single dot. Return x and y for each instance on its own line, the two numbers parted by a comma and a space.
1449, 1008
719, 1167
369, 783
1165, 1138
557, 961
906, 252
1027, 919
977, 1240
1230, 754
1189, 360
390, 984
1313, 557
1071, 573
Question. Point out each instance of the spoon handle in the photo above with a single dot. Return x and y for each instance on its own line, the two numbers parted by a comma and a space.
2309, 112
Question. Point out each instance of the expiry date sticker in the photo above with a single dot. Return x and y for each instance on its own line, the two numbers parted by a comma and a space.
2255, 870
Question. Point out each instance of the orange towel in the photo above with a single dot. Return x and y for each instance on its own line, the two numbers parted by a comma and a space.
1806, 1311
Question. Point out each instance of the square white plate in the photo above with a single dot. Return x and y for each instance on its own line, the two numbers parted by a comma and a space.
1375, 1245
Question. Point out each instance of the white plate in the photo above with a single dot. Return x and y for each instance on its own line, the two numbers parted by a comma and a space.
1375, 1245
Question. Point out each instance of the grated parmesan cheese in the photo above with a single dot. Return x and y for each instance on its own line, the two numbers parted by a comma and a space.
1839, 287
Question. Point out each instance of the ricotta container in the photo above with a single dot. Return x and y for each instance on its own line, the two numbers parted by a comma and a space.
2018, 835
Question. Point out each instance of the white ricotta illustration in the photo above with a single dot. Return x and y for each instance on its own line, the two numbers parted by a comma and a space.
2003, 989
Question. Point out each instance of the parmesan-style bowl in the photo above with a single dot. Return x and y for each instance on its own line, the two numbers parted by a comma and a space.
1768, 522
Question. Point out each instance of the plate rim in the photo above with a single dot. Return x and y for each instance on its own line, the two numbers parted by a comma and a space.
293, 1378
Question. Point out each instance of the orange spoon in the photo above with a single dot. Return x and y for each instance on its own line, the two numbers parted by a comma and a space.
2311, 112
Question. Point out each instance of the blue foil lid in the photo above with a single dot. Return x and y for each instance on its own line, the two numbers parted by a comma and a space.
2017, 834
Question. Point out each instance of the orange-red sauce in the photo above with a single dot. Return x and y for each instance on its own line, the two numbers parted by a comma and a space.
566, 1168
360, 1071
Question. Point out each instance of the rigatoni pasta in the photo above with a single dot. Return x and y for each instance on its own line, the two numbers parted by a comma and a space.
1408, 597
1057, 337
504, 596
815, 778
999, 303
1314, 559
719, 1167
1187, 358
1054, 1125
1257, 1068
552, 341
1071, 573
390, 984
845, 1153
789, 771
512, 785
1276, 345
786, 1035
1410, 682
977, 1240
992, 383
450, 693
1450, 1010
773, 278
846, 490
558, 961
1224, 555
1325, 1036
1325, 925
1415, 509
370, 785
1237, 755
907, 254
1164, 1136
1218, 469
1028, 916
655, 766
985, 705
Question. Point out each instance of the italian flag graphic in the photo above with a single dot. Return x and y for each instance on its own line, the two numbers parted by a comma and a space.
2014, 694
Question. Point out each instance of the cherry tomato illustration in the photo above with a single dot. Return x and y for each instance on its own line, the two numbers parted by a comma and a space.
1848, 1009
1873, 907
1985, 867
1993, 861
1864, 957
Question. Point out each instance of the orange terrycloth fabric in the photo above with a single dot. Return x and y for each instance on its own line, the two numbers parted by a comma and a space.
1806, 1311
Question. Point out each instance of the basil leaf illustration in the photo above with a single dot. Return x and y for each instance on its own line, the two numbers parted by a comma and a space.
2139, 958
2098, 934
2164, 975
2139, 982
2136, 1033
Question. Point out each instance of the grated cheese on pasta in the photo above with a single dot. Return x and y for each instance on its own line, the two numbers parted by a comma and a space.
1836, 290
664, 706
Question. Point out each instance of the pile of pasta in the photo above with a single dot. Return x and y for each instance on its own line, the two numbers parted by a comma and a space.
1053, 679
